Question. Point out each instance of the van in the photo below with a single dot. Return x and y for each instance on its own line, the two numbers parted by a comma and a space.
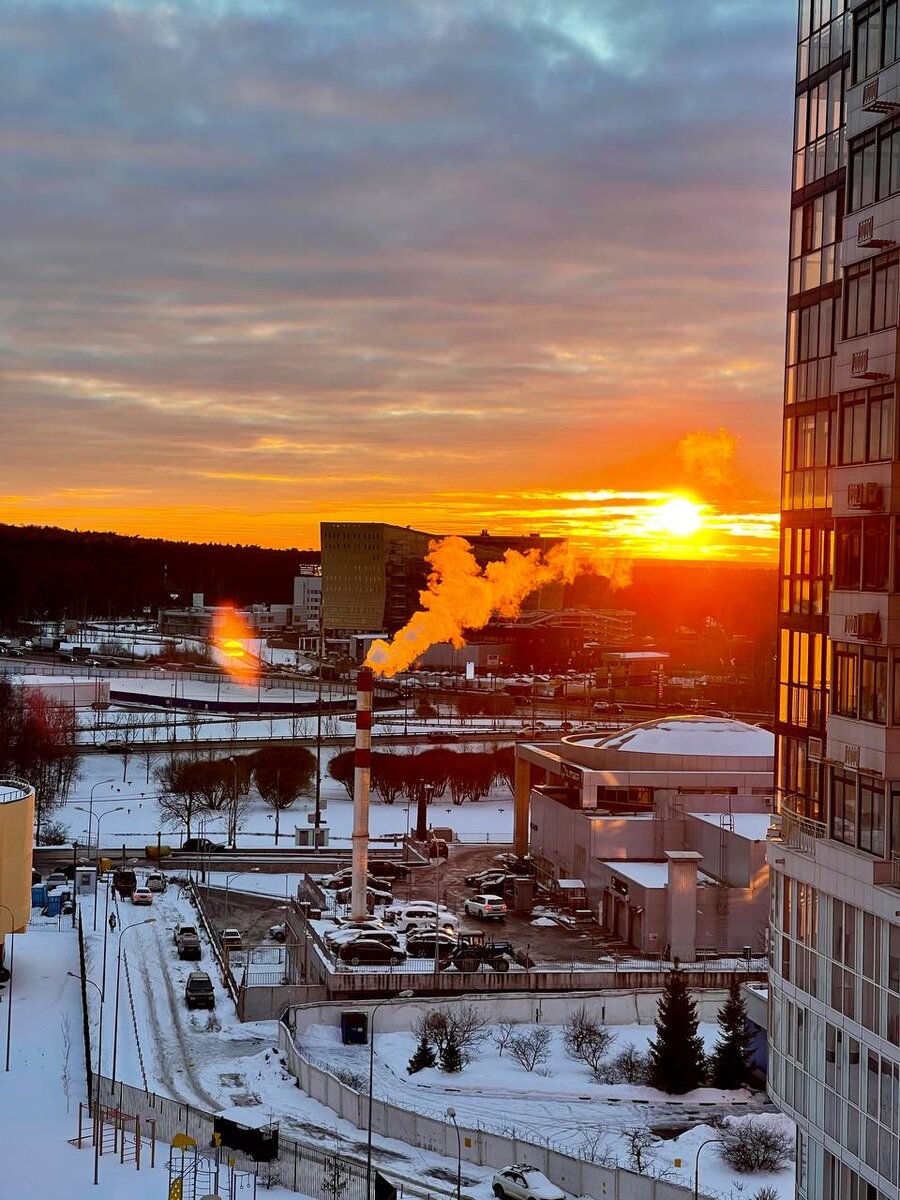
421, 915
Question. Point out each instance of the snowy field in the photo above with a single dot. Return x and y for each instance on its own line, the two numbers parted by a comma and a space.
559, 1103
137, 820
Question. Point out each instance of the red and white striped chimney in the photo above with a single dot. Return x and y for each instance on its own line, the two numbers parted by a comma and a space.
362, 781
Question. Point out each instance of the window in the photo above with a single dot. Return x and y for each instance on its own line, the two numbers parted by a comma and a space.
866, 426
847, 553
857, 300
843, 808
871, 815
845, 698
873, 684
885, 274
876, 551
889, 164
863, 173
866, 41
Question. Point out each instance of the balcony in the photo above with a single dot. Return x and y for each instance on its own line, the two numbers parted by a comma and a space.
801, 833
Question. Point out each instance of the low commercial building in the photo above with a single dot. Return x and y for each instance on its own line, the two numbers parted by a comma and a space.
71, 691
663, 823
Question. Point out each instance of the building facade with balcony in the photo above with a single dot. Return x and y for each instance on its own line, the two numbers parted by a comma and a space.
834, 1063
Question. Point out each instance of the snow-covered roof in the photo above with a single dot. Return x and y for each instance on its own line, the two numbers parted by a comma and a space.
753, 826
647, 874
712, 737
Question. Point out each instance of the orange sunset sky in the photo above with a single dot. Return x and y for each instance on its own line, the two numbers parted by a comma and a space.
457, 265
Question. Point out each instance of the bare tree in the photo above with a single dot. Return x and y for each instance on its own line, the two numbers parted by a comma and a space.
503, 1031
282, 775
180, 799
462, 1021
750, 1146
639, 1142
532, 1049
586, 1040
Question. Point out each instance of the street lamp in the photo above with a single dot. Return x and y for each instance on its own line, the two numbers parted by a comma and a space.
122, 932
405, 995
97, 1125
708, 1142
12, 952
234, 875
98, 819
91, 803
451, 1113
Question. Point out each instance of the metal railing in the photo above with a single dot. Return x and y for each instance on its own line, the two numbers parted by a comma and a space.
801, 833
12, 790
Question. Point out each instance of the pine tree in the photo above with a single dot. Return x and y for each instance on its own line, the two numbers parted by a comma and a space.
729, 1067
422, 1057
451, 1057
677, 1061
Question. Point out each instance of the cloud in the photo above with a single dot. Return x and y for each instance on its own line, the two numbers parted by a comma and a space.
473, 237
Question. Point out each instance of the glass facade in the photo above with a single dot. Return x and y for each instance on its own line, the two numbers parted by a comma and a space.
834, 1020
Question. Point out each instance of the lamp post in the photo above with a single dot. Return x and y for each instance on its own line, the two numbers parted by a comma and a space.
99, 817
451, 1113
708, 1142
12, 952
234, 875
234, 805
406, 995
91, 802
122, 932
97, 1073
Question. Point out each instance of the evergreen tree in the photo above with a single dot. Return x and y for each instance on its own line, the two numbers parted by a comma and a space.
677, 1061
451, 1056
423, 1056
729, 1068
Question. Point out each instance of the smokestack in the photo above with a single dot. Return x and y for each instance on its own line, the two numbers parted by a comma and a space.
362, 770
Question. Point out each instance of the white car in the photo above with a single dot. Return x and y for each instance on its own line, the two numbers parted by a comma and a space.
525, 1183
489, 908
141, 895
423, 915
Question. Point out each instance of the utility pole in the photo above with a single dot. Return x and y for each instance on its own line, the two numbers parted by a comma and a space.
317, 816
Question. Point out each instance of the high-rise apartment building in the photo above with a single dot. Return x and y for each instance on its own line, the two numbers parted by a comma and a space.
835, 940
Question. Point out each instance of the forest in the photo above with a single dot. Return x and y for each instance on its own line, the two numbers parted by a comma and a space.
50, 574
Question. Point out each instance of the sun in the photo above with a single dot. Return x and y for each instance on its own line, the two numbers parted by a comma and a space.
679, 517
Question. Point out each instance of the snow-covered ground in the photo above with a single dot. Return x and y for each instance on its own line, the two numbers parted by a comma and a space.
40, 1093
137, 821
560, 1104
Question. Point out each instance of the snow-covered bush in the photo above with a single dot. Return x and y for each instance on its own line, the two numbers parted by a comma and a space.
462, 1021
532, 1049
753, 1146
628, 1066
586, 1040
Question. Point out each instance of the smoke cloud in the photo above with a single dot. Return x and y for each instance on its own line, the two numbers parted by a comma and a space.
460, 595
707, 456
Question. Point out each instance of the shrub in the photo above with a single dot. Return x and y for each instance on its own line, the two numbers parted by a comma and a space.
423, 1057
452, 1059
586, 1040
461, 1020
351, 1078
753, 1146
531, 1050
628, 1066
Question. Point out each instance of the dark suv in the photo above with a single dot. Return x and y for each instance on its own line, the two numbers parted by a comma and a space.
199, 991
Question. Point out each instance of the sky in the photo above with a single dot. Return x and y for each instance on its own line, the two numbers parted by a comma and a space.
460, 264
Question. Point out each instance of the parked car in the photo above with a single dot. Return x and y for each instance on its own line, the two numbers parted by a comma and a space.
522, 1182
489, 908
141, 894
56, 879
199, 991
424, 915
387, 869
115, 746
156, 881
345, 937
368, 952
480, 881
232, 939
187, 942
342, 879
421, 945
373, 896
201, 846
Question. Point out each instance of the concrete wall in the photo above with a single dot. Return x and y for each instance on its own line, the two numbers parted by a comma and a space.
434, 1133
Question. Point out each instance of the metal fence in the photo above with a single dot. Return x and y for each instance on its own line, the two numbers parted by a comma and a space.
313, 1171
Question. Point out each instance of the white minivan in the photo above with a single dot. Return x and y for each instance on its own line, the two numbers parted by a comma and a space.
422, 914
